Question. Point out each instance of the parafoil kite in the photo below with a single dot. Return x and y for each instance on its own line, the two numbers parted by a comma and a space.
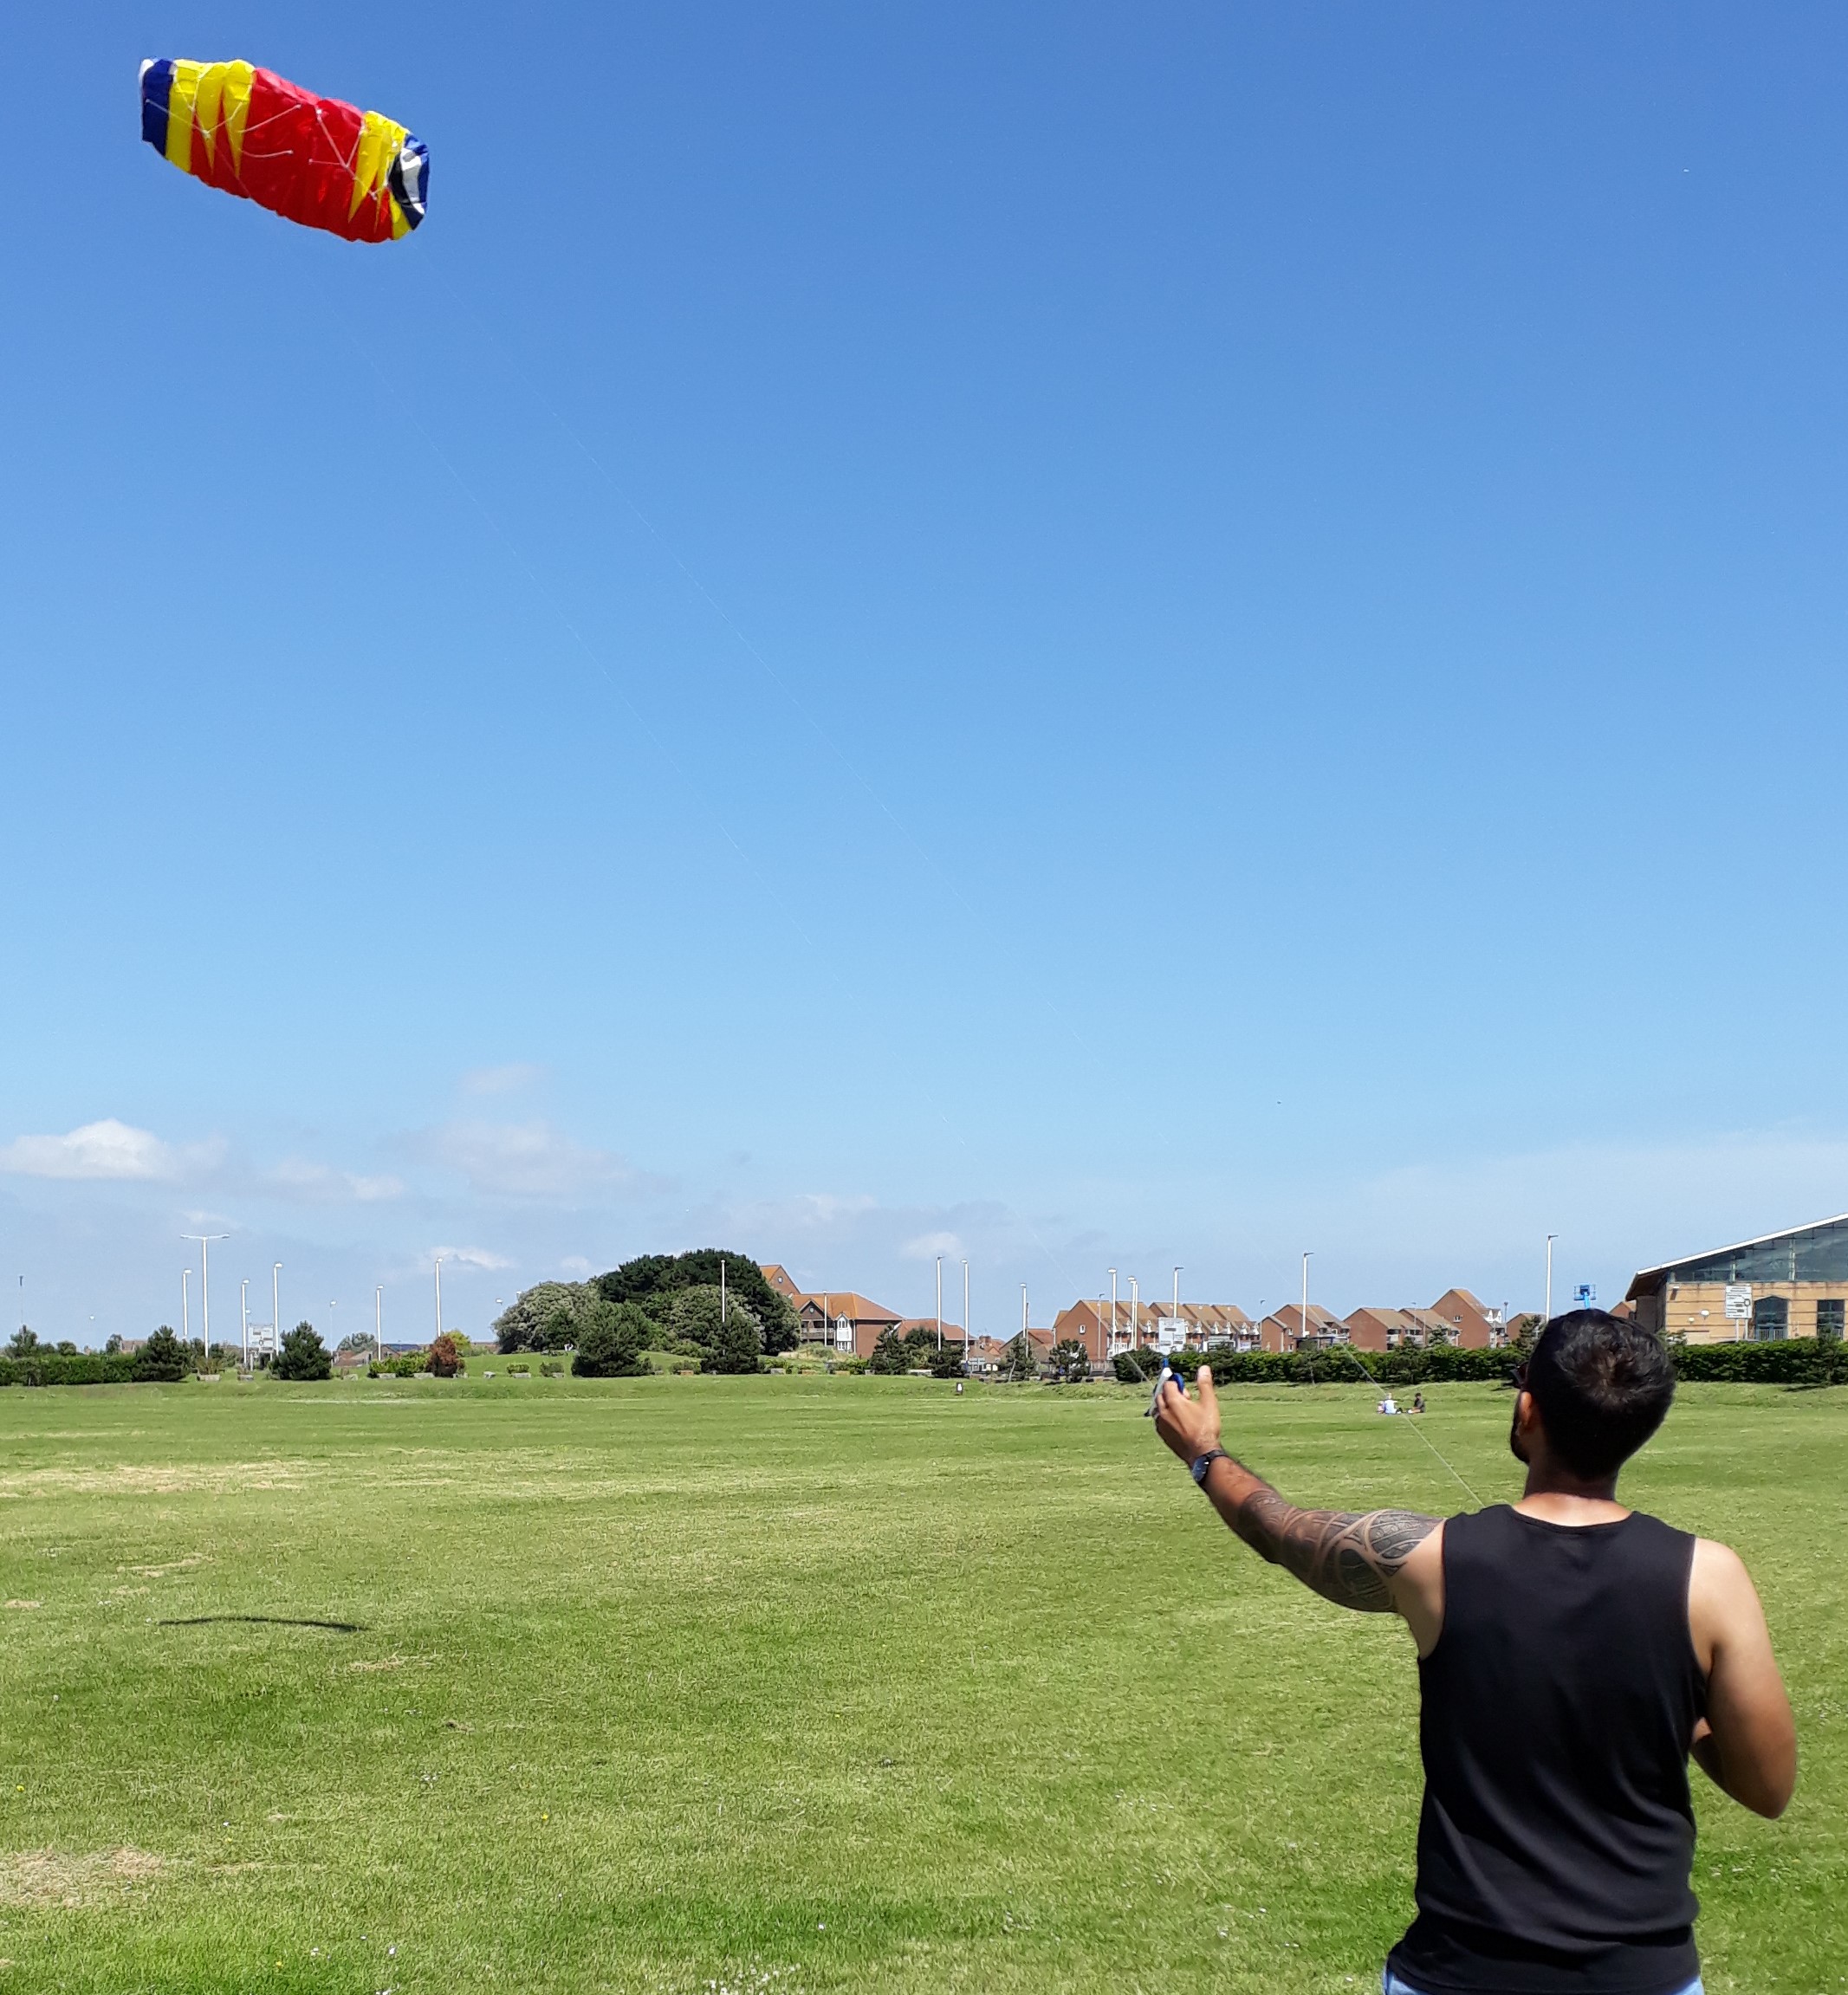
310, 160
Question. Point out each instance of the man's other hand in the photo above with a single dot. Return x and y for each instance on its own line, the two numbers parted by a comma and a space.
1189, 1427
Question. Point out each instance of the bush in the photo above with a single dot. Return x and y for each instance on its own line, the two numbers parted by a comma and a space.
444, 1358
408, 1363
946, 1360
610, 1345
162, 1359
1070, 1362
848, 1367
550, 1371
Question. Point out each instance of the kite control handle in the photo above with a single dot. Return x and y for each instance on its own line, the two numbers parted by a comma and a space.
1166, 1373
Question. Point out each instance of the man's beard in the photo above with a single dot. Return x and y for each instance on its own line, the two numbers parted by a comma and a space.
1516, 1447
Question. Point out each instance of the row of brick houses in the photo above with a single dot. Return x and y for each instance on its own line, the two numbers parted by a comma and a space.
1782, 1284
1455, 1318
850, 1322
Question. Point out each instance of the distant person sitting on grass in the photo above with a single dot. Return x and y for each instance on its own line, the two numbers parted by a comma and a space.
1572, 1655
1417, 1402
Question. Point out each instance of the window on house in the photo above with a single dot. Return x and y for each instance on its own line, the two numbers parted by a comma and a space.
1770, 1319
1832, 1317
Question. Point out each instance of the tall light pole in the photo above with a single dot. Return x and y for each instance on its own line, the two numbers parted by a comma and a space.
939, 1302
243, 1313
969, 1335
439, 1295
379, 1326
1177, 1295
205, 1240
1112, 1351
186, 1308
1135, 1314
1304, 1327
276, 1307
1547, 1319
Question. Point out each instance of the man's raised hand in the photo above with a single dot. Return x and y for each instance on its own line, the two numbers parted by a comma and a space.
1189, 1425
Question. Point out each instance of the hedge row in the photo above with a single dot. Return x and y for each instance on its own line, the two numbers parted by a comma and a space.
1796, 1361
1339, 1366
87, 1368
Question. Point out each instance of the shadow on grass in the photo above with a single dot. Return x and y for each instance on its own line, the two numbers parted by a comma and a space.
263, 1620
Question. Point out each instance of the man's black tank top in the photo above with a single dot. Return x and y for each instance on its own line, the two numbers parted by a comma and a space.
1557, 1836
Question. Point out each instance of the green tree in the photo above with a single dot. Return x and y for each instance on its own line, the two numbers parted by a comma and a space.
891, 1356
946, 1360
526, 1323
653, 1280
445, 1355
611, 1342
1070, 1362
302, 1357
24, 1342
1018, 1365
162, 1359
738, 1347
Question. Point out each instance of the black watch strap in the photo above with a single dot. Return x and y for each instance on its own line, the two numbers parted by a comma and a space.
1203, 1462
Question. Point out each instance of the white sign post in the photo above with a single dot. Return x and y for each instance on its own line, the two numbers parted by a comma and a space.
1739, 1304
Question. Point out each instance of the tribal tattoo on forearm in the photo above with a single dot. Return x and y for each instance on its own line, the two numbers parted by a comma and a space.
1345, 1557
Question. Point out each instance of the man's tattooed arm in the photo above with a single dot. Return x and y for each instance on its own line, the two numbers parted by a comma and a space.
1348, 1558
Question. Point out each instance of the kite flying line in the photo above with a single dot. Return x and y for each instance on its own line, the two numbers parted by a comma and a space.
1416, 1426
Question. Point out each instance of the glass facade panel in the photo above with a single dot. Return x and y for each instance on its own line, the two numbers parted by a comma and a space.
1770, 1319
1818, 1253
1832, 1317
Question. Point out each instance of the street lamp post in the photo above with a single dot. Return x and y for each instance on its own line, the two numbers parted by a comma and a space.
243, 1317
276, 1307
939, 1302
186, 1308
204, 1241
378, 1325
969, 1335
439, 1295
1547, 1319
1112, 1352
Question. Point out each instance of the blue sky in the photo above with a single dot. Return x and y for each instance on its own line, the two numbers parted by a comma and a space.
1074, 636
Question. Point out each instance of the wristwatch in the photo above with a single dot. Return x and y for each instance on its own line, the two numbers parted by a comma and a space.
1203, 1462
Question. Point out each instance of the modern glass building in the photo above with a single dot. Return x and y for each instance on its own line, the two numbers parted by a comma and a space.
1782, 1284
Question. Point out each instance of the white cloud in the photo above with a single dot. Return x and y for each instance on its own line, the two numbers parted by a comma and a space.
508, 1080
317, 1184
468, 1257
577, 1267
927, 1245
109, 1148
521, 1159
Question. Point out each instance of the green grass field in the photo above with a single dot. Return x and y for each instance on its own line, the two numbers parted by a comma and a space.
780, 1684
